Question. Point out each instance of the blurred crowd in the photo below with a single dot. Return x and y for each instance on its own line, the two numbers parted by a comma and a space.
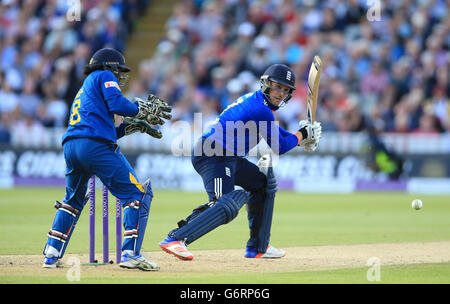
388, 69
44, 46
386, 66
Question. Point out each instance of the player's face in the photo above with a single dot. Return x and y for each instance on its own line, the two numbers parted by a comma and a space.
277, 92
123, 79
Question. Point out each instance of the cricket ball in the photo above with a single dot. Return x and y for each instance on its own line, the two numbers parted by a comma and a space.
416, 204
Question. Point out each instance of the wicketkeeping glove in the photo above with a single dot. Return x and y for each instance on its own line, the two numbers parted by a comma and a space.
144, 108
164, 109
135, 125
153, 109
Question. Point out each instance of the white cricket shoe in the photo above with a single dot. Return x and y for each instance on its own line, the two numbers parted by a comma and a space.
137, 262
52, 262
271, 253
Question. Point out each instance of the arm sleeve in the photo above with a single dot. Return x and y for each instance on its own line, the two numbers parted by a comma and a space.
113, 96
120, 130
281, 141
285, 133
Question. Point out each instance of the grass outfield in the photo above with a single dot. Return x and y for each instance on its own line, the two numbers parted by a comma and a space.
300, 220
393, 274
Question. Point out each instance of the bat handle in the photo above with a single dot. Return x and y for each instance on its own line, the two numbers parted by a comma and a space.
309, 114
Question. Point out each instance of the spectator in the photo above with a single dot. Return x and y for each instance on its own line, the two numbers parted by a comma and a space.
440, 104
428, 125
387, 70
42, 56
8, 99
29, 100
376, 81
53, 111
5, 134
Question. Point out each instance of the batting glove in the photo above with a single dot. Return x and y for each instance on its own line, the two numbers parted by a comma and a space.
311, 146
311, 133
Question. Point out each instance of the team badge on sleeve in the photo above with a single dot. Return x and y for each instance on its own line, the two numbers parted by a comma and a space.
110, 84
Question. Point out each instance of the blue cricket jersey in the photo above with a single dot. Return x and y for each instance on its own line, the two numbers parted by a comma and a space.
92, 111
241, 125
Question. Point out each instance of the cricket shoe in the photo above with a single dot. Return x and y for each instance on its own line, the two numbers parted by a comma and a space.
176, 247
137, 262
52, 262
271, 253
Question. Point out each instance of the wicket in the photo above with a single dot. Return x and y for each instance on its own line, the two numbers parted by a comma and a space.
105, 224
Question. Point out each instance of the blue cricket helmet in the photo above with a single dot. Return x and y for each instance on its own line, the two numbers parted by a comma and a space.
109, 59
279, 73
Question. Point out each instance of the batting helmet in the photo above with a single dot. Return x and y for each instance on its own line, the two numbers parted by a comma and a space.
281, 74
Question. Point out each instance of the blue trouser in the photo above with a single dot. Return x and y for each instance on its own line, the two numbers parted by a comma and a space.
220, 174
85, 157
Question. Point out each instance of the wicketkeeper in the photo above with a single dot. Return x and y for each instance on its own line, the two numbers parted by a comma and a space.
226, 167
90, 148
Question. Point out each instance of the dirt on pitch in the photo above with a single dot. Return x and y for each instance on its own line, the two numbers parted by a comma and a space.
232, 261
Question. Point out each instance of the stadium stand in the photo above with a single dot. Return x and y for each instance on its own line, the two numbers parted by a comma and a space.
392, 73
42, 56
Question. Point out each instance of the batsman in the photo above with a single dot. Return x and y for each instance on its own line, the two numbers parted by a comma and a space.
90, 148
219, 158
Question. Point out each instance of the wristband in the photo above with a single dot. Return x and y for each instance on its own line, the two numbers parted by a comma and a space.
304, 133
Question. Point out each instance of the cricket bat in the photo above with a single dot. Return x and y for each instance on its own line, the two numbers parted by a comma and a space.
313, 87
